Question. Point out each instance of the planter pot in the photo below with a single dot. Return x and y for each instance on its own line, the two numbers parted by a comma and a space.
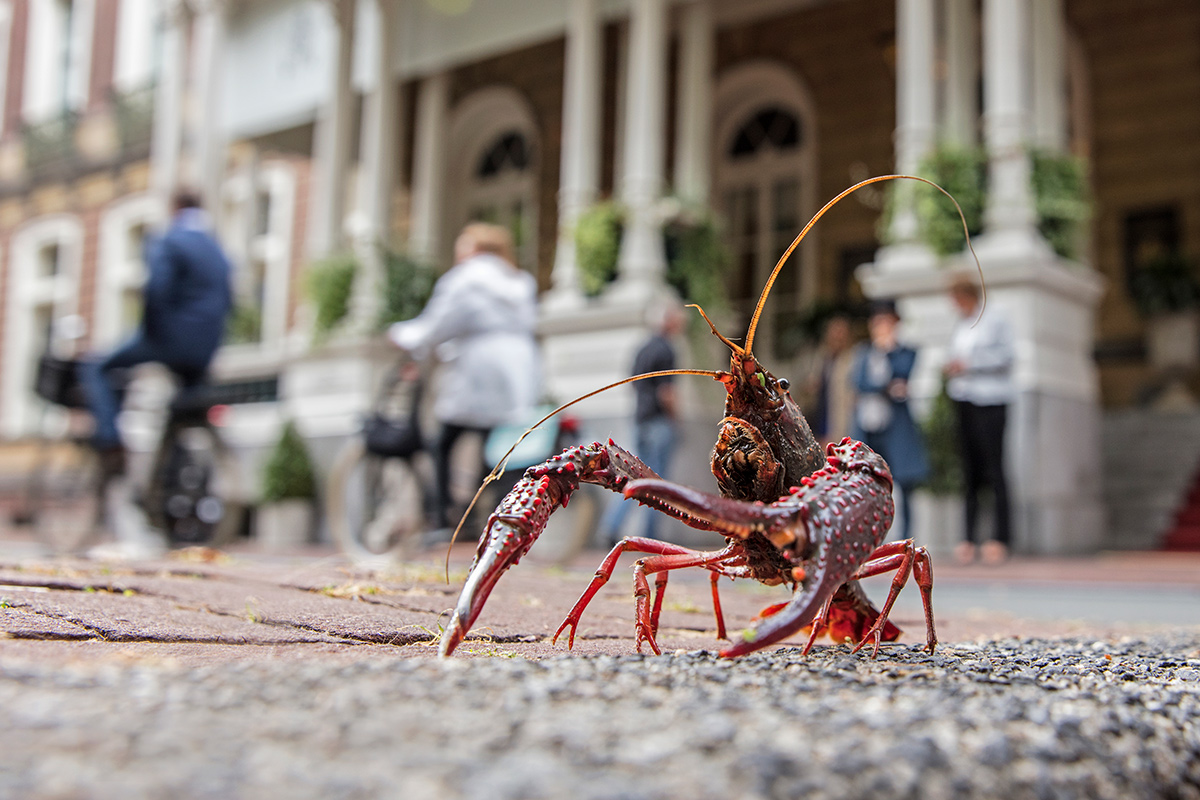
938, 522
1173, 340
285, 525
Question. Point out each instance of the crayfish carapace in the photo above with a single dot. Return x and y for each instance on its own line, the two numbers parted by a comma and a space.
790, 514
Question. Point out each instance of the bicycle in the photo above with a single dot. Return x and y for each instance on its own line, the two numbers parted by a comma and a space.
381, 480
378, 488
190, 493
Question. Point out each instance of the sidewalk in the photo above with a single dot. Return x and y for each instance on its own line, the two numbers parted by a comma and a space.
207, 606
241, 675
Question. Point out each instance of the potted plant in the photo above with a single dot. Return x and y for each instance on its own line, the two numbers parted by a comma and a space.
939, 503
285, 516
1167, 294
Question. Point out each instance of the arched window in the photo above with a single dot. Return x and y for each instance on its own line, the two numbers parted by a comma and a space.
494, 150
764, 184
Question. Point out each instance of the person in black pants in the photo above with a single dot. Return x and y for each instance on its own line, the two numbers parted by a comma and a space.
979, 380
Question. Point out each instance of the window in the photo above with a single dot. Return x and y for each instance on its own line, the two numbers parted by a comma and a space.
500, 191
761, 185
256, 228
43, 298
59, 55
121, 269
494, 153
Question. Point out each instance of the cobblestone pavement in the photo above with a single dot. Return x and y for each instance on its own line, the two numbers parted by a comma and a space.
210, 676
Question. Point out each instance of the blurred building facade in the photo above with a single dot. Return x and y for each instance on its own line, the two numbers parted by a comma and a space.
323, 126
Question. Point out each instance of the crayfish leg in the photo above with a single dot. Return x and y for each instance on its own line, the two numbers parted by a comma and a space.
664, 557
716, 597
906, 559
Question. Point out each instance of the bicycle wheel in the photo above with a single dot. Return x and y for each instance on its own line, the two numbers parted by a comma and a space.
375, 504
67, 499
193, 495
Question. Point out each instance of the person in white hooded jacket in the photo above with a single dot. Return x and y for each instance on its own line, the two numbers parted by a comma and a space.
480, 323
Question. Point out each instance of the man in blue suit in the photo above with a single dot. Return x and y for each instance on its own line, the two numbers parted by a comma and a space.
186, 299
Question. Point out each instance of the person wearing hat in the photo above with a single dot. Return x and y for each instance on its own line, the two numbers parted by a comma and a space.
881, 416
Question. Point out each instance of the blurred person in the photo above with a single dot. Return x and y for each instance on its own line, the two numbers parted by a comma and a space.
186, 299
656, 414
480, 323
833, 410
881, 415
979, 381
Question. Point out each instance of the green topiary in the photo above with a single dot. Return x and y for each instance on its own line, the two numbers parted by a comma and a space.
407, 285
288, 473
330, 283
597, 246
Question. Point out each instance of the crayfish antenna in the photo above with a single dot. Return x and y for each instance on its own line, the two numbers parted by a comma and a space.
762, 299
736, 348
498, 470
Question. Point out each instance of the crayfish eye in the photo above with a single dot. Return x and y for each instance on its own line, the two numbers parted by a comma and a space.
784, 384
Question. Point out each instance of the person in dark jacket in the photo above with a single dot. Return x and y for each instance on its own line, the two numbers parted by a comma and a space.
881, 417
186, 299
655, 415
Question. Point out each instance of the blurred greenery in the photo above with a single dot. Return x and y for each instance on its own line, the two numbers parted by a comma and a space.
597, 245
407, 286
1060, 191
1165, 285
942, 446
697, 260
330, 282
243, 325
288, 472
962, 173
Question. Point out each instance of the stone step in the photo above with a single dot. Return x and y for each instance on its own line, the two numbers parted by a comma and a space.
1149, 463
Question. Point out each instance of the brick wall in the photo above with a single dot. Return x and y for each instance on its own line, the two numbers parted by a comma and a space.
1143, 71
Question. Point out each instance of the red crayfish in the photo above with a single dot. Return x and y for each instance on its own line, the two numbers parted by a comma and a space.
790, 514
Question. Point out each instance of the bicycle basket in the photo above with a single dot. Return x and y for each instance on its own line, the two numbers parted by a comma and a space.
391, 437
57, 382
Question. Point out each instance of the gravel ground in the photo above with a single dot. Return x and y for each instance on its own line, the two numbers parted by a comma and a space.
1087, 718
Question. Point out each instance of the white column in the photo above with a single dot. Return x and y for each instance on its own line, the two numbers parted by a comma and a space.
429, 172
915, 101
642, 260
206, 168
1006, 82
1049, 76
960, 113
580, 170
327, 195
169, 103
376, 170
693, 133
